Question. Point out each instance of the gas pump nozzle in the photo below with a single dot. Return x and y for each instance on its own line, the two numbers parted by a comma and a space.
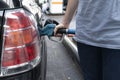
49, 30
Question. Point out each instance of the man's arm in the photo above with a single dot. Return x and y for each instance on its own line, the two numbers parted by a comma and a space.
71, 9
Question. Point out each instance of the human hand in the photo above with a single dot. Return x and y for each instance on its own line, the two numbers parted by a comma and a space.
59, 26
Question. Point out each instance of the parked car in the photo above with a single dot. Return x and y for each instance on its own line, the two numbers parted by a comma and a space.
65, 2
22, 49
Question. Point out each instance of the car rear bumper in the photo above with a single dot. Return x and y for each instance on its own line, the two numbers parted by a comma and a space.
33, 74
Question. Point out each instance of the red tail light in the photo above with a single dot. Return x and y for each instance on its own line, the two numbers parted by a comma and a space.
21, 41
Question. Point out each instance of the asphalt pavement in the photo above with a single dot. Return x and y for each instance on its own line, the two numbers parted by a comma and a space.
60, 65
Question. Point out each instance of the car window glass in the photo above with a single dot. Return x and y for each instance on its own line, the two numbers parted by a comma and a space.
10, 3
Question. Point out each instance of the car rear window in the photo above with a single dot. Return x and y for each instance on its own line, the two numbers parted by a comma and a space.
7, 4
